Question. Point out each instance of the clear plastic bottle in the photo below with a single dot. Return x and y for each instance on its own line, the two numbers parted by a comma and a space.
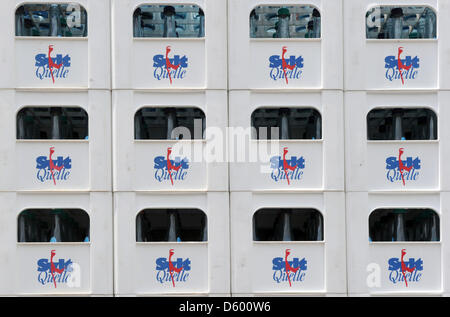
201, 30
429, 25
397, 23
54, 16
286, 229
283, 23
431, 127
139, 236
56, 115
57, 229
173, 232
137, 23
434, 236
318, 128
23, 227
319, 229
284, 126
21, 128
170, 28
253, 23
399, 233
397, 122
20, 21
204, 231
316, 24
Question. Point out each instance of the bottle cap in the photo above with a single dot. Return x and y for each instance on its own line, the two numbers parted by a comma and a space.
316, 13
169, 11
284, 12
396, 13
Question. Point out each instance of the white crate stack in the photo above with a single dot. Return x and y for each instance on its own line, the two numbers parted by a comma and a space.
55, 169
396, 104
285, 68
171, 205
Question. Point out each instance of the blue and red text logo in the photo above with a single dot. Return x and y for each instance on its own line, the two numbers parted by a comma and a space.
400, 169
171, 271
168, 169
52, 271
53, 169
405, 270
285, 168
170, 68
401, 68
52, 67
287, 68
289, 271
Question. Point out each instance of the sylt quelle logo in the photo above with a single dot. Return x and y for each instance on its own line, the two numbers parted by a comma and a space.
285, 68
289, 271
50, 271
167, 168
169, 271
52, 67
401, 270
284, 168
49, 169
404, 69
400, 170
170, 68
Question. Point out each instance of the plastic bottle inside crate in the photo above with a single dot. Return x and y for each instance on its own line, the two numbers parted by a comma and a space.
287, 224
58, 123
286, 124
295, 21
171, 225
53, 225
404, 225
169, 21
55, 20
402, 124
169, 123
401, 22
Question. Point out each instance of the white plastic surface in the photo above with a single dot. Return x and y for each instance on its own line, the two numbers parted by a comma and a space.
90, 159
251, 170
94, 259
368, 267
89, 56
135, 271
252, 262
134, 167
133, 66
365, 58
365, 160
249, 57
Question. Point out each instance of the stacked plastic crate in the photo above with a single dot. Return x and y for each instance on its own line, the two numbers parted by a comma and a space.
169, 114
55, 183
396, 105
286, 147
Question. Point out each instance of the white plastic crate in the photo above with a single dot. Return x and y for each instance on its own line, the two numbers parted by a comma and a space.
375, 267
256, 266
372, 63
136, 166
142, 268
151, 61
25, 163
373, 165
26, 267
259, 62
257, 165
77, 57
